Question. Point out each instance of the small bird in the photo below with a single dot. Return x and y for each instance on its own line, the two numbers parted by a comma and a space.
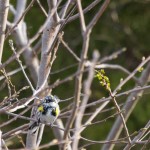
46, 113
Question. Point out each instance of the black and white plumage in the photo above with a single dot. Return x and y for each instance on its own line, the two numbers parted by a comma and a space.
46, 113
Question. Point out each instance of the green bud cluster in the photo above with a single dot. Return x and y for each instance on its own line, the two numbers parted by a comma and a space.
103, 79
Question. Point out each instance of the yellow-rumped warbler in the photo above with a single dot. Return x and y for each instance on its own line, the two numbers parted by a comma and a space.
46, 113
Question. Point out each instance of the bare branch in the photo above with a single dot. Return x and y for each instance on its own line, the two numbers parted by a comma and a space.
12, 72
88, 8
12, 9
19, 116
15, 118
64, 11
69, 49
82, 20
113, 55
4, 145
52, 5
98, 15
42, 8
21, 39
17, 130
121, 116
131, 75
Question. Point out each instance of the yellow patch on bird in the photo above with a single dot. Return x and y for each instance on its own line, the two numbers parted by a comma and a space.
57, 111
40, 108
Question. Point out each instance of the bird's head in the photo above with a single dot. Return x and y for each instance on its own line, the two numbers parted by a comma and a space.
51, 98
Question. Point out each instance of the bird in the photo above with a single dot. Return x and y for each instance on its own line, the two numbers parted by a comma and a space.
46, 112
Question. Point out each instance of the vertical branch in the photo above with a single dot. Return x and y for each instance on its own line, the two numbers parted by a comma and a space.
52, 6
82, 21
40, 135
78, 81
64, 11
20, 8
4, 145
87, 93
4, 6
21, 39
58, 133
49, 34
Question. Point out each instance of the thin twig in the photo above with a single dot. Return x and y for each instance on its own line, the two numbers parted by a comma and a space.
121, 116
98, 15
69, 49
82, 20
88, 8
20, 63
131, 75
42, 8
18, 130
19, 116
64, 11
12, 72
113, 55
15, 118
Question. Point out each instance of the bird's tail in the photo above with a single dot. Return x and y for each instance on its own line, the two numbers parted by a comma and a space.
33, 127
